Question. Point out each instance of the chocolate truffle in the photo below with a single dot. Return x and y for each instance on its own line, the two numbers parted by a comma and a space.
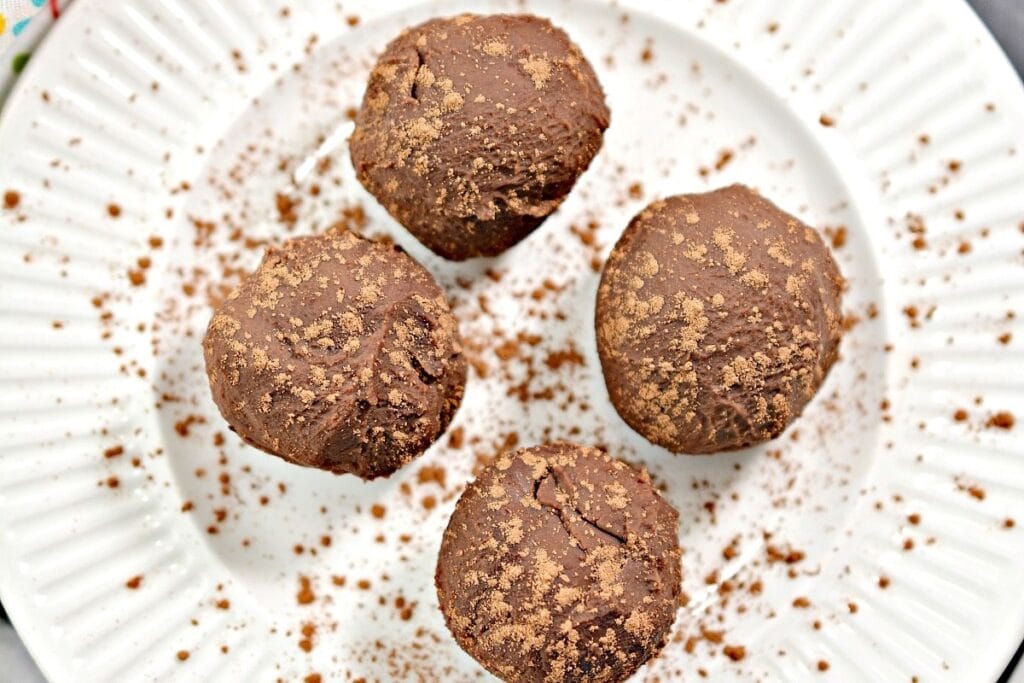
337, 353
473, 129
560, 564
718, 317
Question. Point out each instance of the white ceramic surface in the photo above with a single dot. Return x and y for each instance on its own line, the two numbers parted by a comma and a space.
878, 116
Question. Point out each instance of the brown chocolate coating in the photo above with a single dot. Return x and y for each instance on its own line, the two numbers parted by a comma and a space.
473, 129
337, 353
718, 317
560, 564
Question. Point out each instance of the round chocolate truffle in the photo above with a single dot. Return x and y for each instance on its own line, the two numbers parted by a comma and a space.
718, 317
473, 129
560, 564
337, 353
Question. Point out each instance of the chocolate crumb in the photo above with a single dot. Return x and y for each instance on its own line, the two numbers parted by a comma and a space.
305, 595
735, 652
837, 236
1001, 420
431, 474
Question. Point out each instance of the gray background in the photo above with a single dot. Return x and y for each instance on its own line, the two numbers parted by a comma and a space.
1005, 18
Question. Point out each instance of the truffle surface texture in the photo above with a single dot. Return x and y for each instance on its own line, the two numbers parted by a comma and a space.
337, 353
718, 317
473, 129
560, 564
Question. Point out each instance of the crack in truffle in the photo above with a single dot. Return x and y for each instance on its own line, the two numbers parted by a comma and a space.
564, 512
414, 89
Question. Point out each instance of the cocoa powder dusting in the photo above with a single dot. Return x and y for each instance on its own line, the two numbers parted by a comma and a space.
305, 595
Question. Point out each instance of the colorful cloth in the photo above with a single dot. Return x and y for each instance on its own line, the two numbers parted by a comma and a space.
15, 16
23, 23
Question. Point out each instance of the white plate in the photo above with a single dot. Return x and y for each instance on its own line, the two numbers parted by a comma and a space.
132, 102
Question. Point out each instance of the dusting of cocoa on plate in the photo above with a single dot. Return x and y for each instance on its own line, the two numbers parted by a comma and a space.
735, 652
308, 633
1001, 420
431, 474
305, 595
183, 427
